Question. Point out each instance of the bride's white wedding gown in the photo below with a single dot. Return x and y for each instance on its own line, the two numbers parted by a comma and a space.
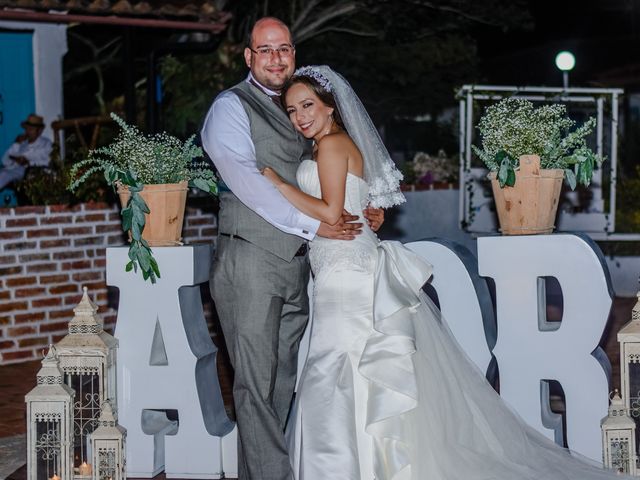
386, 392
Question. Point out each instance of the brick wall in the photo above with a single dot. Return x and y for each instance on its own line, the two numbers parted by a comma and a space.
47, 253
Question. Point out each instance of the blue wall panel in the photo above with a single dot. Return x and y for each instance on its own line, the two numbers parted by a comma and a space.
17, 89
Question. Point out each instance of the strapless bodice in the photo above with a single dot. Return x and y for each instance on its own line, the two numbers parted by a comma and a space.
356, 192
325, 252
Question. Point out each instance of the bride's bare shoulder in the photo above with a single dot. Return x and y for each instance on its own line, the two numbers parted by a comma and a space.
339, 147
336, 141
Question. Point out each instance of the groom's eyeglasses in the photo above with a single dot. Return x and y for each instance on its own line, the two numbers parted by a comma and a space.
283, 51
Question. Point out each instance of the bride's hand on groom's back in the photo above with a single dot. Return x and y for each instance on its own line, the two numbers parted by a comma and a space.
272, 176
375, 217
344, 229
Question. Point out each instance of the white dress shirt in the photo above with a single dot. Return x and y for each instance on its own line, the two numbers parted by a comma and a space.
36, 153
226, 137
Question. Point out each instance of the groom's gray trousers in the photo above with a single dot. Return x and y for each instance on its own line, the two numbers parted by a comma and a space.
263, 307
259, 287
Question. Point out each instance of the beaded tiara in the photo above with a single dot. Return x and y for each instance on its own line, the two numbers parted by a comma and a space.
312, 72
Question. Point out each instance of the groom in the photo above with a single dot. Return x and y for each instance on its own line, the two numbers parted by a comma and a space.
260, 273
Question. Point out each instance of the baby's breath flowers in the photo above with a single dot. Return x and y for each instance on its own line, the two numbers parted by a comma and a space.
514, 127
138, 159
135, 160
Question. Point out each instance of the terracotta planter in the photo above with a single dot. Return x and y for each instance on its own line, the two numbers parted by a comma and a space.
163, 226
530, 206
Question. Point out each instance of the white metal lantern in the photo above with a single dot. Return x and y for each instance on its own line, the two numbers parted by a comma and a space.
88, 360
50, 424
108, 447
619, 438
629, 339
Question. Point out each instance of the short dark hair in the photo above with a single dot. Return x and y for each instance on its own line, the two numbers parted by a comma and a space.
325, 97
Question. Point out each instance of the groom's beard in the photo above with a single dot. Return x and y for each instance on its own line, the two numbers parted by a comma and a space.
273, 75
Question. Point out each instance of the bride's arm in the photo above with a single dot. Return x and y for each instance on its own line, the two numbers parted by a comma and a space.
332, 170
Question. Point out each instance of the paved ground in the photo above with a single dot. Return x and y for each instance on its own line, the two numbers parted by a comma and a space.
17, 380
15, 383
12, 454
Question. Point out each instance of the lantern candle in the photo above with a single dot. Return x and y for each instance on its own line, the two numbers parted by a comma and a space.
55, 477
85, 469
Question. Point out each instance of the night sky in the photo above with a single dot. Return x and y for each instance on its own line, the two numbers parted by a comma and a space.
603, 35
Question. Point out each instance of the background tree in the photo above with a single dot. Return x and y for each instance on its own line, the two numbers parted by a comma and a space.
89, 57
404, 57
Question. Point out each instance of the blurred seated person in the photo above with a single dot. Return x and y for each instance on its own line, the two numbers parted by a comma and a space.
30, 149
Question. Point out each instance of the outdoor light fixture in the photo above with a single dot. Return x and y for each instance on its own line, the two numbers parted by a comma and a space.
88, 361
50, 424
108, 446
629, 339
619, 438
565, 61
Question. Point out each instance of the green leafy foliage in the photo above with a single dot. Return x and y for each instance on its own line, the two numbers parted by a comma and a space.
133, 221
514, 127
48, 186
506, 170
133, 160
628, 203
190, 83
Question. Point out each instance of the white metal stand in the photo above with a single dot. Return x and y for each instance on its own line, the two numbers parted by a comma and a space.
475, 212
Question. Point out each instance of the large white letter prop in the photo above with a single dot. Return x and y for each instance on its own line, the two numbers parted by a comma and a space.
166, 361
528, 354
463, 295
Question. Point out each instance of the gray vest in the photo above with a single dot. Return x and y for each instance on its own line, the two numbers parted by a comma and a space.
278, 146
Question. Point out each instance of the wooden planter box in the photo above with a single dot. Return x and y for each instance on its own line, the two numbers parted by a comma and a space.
166, 202
530, 206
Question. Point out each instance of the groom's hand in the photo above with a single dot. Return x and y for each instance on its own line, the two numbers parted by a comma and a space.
344, 229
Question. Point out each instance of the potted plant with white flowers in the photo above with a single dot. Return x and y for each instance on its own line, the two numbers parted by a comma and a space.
529, 151
152, 174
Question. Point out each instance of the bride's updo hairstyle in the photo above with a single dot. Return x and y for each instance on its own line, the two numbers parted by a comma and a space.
317, 84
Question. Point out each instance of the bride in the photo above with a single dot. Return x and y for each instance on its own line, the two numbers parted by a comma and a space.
386, 392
